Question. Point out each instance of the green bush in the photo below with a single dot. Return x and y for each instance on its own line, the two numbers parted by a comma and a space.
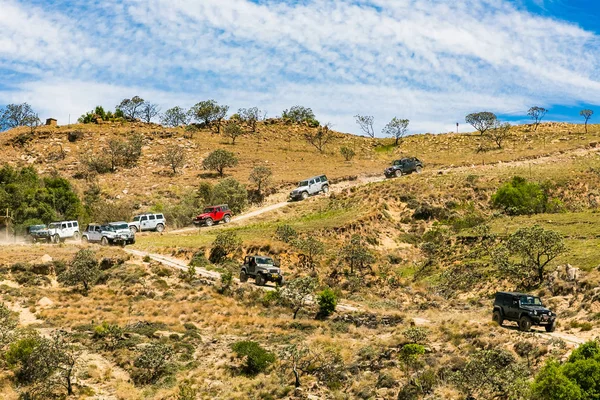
231, 192
347, 153
520, 197
152, 363
218, 160
327, 301
286, 233
256, 359
225, 244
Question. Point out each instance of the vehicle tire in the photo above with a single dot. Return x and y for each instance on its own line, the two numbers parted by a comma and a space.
304, 195
260, 280
398, 173
551, 327
76, 236
280, 281
497, 318
209, 222
243, 277
84, 240
227, 219
104, 241
160, 228
326, 189
56, 239
525, 324
418, 170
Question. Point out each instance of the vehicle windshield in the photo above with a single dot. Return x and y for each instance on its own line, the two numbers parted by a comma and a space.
54, 225
530, 301
108, 228
264, 260
120, 226
208, 210
37, 228
136, 219
303, 183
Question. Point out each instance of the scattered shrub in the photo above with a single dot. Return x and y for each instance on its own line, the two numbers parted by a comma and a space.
327, 301
347, 153
256, 359
152, 363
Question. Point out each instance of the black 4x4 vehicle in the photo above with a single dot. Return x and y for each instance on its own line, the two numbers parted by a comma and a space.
403, 167
262, 269
524, 309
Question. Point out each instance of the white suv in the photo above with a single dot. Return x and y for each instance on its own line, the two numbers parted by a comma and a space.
148, 222
63, 230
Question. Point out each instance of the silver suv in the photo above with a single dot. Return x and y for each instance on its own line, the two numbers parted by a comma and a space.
309, 187
113, 233
148, 222
262, 269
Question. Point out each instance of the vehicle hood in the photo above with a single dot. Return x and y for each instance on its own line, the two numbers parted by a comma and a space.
271, 268
203, 215
300, 189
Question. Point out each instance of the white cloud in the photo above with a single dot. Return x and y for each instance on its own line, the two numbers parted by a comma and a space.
429, 61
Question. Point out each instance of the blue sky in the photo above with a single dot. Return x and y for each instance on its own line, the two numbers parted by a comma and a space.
431, 61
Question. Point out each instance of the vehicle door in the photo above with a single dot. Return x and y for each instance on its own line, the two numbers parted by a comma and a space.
63, 230
218, 214
144, 225
513, 307
152, 221
312, 188
95, 235
251, 265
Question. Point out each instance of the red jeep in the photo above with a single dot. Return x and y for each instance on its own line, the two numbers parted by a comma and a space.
212, 215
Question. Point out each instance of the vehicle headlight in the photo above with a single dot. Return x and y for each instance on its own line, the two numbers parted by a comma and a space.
534, 312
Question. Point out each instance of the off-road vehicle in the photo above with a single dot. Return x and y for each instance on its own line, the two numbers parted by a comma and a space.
148, 222
63, 230
404, 166
37, 233
309, 187
213, 215
524, 309
114, 233
262, 269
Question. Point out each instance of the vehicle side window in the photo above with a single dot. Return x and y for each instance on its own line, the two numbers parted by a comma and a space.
318, 180
70, 225
323, 178
312, 182
152, 217
144, 218
75, 224
159, 216
63, 226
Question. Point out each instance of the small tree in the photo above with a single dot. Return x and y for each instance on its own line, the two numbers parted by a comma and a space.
131, 108
397, 129
174, 157
261, 177
286, 233
83, 269
233, 131
250, 116
231, 192
14, 115
300, 360
225, 244
481, 121
586, 114
175, 117
327, 301
520, 197
148, 111
536, 114
347, 153
152, 363
310, 248
220, 159
320, 137
209, 113
299, 114
256, 359
357, 255
410, 356
8, 323
499, 133
366, 124
297, 293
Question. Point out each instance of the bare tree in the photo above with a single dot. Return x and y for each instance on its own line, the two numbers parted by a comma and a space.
499, 133
175, 117
536, 114
14, 115
319, 138
174, 157
149, 111
261, 176
131, 108
366, 124
396, 128
482, 121
297, 293
586, 114
250, 116
233, 130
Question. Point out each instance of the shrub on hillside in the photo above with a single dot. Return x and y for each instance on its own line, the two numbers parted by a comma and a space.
225, 244
327, 301
299, 114
230, 192
218, 160
347, 153
520, 197
83, 269
256, 359
152, 363
286, 233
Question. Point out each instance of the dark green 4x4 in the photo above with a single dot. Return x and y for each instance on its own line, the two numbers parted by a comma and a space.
524, 309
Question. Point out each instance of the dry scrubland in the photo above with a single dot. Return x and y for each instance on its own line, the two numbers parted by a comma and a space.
430, 283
